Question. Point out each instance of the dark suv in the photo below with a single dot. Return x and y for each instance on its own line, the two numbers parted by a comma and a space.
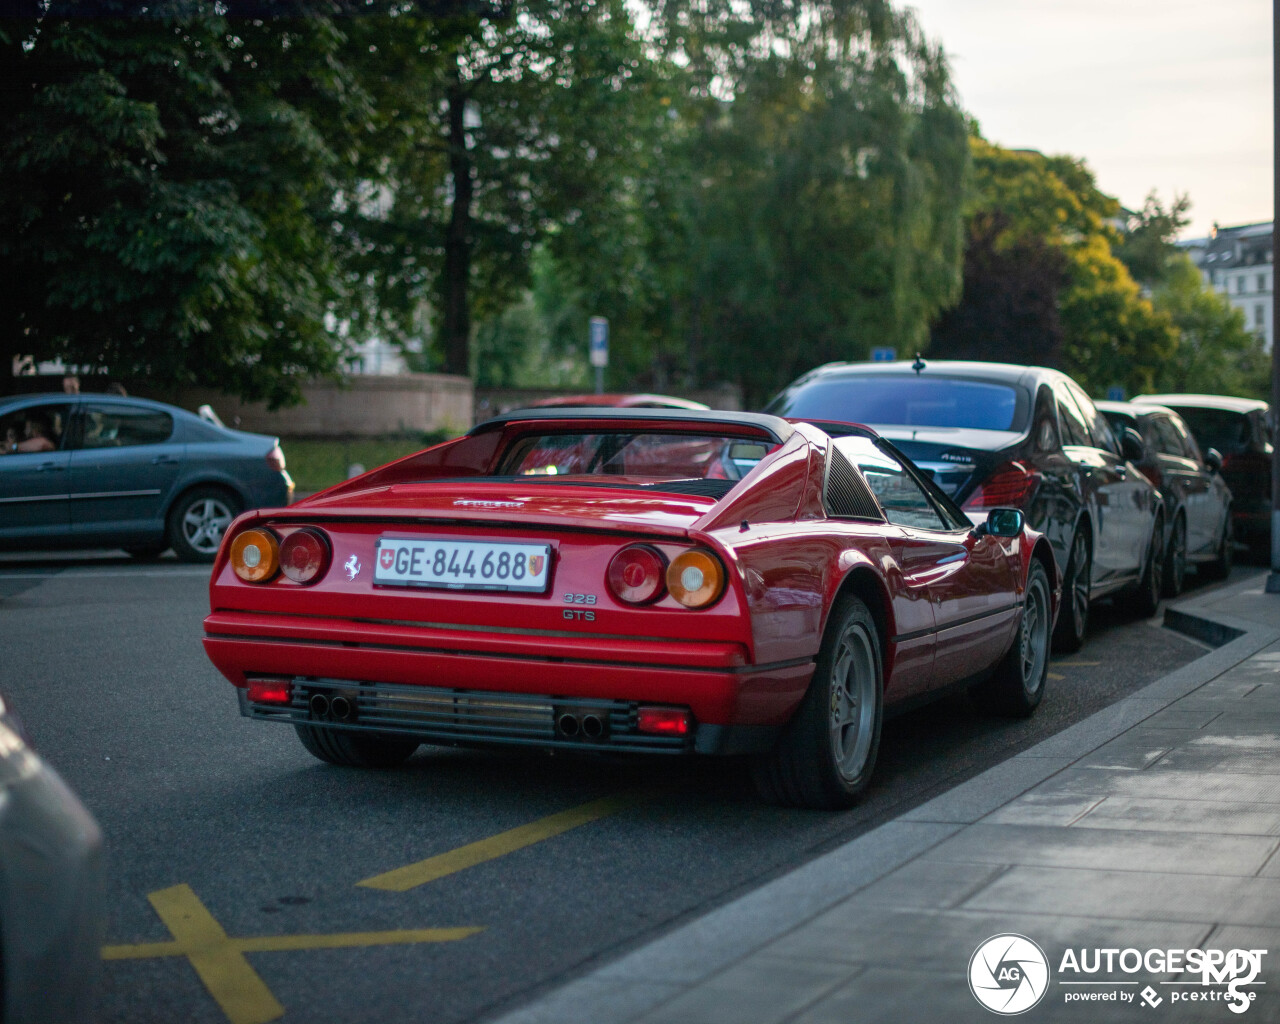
1240, 429
997, 435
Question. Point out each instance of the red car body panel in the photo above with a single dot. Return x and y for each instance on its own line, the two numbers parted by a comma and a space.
949, 604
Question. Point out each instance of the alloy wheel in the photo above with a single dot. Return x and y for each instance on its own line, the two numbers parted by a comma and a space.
853, 701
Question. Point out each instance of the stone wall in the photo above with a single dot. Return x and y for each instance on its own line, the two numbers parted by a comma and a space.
358, 406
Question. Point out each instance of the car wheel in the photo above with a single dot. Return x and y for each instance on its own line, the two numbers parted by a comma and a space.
1016, 686
1175, 559
1151, 584
198, 520
1073, 618
1220, 567
356, 749
827, 752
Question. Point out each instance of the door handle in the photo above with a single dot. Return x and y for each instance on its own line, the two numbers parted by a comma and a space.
50, 467
164, 460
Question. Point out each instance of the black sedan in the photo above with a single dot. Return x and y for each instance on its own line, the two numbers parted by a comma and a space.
1240, 429
91, 471
1027, 437
1197, 500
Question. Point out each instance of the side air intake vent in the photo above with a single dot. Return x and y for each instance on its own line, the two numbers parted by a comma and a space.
847, 495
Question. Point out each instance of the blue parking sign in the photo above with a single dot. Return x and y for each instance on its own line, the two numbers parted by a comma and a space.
599, 345
884, 355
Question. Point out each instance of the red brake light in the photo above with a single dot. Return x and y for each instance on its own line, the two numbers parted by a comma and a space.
1008, 487
304, 555
637, 574
270, 691
663, 721
275, 459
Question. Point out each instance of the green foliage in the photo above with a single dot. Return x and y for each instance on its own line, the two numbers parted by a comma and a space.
1147, 246
798, 199
1216, 353
1073, 304
165, 206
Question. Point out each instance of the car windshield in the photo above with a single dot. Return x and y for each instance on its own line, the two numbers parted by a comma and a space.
642, 457
911, 401
1217, 428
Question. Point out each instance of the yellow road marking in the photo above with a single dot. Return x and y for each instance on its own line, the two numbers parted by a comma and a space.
412, 875
1055, 675
1076, 664
219, 960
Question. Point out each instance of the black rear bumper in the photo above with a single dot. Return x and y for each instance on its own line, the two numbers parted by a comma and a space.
445, 716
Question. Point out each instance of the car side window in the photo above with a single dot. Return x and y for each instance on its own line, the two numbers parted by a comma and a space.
1045, 430
1073, 428
1188, 442
1099, 430
904, 501
35, 428
122, 426
1167, 440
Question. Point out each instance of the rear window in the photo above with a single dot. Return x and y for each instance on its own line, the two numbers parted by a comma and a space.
910, 401
638, 457
1217, 428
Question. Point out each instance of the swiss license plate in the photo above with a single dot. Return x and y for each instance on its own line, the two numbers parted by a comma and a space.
462, 564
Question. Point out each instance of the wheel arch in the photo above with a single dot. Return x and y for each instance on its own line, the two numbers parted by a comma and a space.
863, 583
205, 481
1042, 552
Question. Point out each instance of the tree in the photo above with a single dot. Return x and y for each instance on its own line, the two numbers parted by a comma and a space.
802, 200
169, 180
1041, 266
513, 129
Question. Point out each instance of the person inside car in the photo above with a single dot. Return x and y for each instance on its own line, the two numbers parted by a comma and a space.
37, 436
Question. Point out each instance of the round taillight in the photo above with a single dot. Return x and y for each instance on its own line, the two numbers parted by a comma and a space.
695, 578
636, 574
304, 555
255, 555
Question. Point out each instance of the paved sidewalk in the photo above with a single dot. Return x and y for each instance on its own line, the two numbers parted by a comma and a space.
1151, 826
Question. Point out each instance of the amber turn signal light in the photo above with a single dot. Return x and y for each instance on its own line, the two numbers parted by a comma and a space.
695, 578
255, 555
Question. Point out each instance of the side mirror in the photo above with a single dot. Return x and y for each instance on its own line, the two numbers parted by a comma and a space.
1213, 459
1132, 447
1001, 522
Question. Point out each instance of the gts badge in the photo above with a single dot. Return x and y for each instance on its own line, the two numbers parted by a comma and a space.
579, 614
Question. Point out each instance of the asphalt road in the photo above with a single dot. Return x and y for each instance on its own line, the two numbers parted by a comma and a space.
245, 836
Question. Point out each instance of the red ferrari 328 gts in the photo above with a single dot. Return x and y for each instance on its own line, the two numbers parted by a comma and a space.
649, 581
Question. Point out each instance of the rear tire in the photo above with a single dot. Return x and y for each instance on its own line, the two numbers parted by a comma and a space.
1073, 617
356, 749
1220, 567
1151, 585
198, 520
1016, 687
1175, 559
826, 753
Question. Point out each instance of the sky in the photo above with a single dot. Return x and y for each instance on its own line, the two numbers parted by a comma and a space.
1169, 95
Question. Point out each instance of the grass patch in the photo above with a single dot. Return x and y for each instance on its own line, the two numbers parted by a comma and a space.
317, 464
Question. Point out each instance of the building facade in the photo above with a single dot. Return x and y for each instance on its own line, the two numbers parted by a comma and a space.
1238, 262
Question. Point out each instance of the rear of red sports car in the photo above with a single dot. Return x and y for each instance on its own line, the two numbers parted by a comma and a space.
542, 581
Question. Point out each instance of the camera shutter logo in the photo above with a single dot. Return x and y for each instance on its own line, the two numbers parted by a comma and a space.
1008, 974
